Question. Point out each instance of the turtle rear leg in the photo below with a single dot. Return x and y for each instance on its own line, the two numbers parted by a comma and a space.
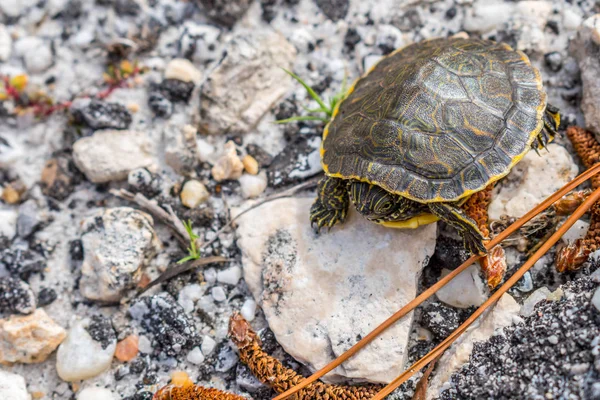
331, 205
551, 120
454, 216
493, 264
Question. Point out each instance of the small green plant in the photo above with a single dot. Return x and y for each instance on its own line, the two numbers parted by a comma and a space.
194, 253
326, 108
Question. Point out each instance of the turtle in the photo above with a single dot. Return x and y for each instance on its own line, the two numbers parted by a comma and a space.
426, 128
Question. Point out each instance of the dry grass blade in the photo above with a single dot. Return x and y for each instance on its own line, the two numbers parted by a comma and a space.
439, 350
442, 282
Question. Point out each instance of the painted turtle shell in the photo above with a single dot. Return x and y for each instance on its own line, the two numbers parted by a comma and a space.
438, 120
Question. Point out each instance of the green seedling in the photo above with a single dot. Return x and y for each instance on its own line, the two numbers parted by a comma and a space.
325, 107
194, 253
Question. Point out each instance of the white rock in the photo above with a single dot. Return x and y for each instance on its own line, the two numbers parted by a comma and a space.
229, 165
503, 314
577, 231
183, 70
465, 290
210, 276
195, 356
29, 339
596, 299
218, 293
36, 54
531, 181
109, 155
528, 305
248, 310
247, 82
253, 185
370, 61
484, 17
189, 295
181, 150
115, 252
95, 393
5, 43
193, 194
321, 292
230, 276
8, 222
586, 51
13, 387
80, 357
570, 19
208, 345
145, 345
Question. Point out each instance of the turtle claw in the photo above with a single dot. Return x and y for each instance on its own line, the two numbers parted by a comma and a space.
321, 216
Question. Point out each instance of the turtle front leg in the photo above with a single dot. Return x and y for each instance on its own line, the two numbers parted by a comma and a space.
331, 205
551, 120
451, 214
493, 264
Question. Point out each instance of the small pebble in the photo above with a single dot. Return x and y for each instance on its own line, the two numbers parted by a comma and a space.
250, 164
195, 356
210, 276
145, 345
229, 165
183, 70
218, 293
127, 349
208, 345
253, 185
596, 299
193, 194
230, 276
553, 339
248, 310
95, 393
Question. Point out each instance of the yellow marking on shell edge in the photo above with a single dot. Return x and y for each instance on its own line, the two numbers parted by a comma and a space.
532, 135
412, 223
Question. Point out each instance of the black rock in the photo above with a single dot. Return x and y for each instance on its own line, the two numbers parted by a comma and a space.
21, 262
141, 396
46, 296
246, 380
334, 9
351, 39
553, 354
143, 181
176, 90
263, 158
127, 7
101, 115
554, 61
298, 161
101, 330
226, 12
76, 250
137, 366
442, 320
451, 13
161, 316
269, 8
160, 104
59, 177
16, 296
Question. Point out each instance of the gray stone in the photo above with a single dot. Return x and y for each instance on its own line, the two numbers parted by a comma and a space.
28, 219
321, 293
110, 155
181, 150
587, 52
247, 82
118, 243
16, 296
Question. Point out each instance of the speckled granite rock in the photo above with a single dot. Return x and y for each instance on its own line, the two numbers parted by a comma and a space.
554, 353
321, 293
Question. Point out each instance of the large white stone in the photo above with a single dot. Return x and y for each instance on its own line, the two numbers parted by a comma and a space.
503, 314
13, 387
465, 290
109, 155
247, 82
80, 357
118, 243
321, 293
531, 181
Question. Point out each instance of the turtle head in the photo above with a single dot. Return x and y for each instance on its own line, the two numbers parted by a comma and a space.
374, 202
